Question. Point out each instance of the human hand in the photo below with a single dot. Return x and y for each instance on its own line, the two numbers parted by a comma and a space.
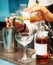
8, 24
18, 25
36, 9
44, 12
33, 8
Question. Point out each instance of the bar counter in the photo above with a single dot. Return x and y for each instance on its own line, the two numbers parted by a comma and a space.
13, 56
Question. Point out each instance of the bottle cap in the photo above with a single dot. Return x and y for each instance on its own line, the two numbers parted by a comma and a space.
43, 34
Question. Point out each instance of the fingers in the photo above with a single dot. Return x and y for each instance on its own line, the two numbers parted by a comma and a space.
8, 24
33, 8
29, 8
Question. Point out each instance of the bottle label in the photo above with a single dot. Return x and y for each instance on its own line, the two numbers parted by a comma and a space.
41, 49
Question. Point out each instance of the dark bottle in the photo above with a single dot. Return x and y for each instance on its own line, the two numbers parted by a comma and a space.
42, 46
43, 53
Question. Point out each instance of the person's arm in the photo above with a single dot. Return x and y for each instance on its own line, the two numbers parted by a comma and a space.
21, 27
47, 14
30, 27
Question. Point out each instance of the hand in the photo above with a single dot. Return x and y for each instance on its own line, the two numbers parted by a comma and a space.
45, 13
20, 26
17, 24
8, 24
36, 8
33, 8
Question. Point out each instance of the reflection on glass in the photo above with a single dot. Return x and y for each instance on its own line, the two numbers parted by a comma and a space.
24, 39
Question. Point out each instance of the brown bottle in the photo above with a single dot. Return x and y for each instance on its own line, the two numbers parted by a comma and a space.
42, 47
35, 16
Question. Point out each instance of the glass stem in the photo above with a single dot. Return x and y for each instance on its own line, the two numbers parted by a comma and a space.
24, 55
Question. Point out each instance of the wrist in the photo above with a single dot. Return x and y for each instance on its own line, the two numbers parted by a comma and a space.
24, 28
44, 10
47, 14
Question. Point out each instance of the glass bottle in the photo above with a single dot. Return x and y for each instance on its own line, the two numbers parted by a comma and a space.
42, 45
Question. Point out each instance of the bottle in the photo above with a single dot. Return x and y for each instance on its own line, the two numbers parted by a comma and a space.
42, 46
35, 16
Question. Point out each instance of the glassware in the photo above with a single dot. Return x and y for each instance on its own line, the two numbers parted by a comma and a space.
24, 39
35, 16
8, 39
42, 45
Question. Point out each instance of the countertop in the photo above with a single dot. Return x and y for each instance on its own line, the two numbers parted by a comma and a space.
12, 57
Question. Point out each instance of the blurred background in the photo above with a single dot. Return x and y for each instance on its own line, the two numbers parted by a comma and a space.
7, 7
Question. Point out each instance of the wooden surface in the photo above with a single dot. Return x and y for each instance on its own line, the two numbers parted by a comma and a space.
13, 57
